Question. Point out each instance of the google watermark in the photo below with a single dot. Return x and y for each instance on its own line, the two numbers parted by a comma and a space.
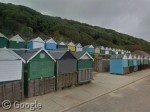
6, 104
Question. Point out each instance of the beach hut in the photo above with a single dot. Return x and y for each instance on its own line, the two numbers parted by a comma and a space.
84, 66
89, 49
97, 50
138, 60
122, 51
66, 68
11, 76
71, 46
130, 63
145, 62
79, 47
102, 50
119, 51
113, 51
107, 50
119, 64
135, 63
61, 45
50, 44
128, 52
3, 41
141, 61
110, 51
149, 62
17, 42
39, 72
36, 43
116, 51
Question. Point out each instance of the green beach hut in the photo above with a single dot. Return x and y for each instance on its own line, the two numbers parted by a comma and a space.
3, 41
39, 72
17, 42
84, 66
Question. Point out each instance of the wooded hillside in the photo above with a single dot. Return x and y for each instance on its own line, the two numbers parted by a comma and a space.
16, 19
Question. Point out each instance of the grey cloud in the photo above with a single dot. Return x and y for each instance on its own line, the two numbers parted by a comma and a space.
127, 16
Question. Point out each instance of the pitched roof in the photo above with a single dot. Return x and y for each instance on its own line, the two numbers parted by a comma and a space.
89, 46
120, 56
38, 39
106, 48
78, 45
62, 43
102, 48
134, 57
17, 38
8, 54
51, 40
59, 54
110, 48
80, 54
71, 44
19, 52
129, 56
30, 54
1, 35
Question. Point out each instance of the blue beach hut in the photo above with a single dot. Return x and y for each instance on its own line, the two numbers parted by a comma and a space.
118, 63
35, 43
89, 49
50, 44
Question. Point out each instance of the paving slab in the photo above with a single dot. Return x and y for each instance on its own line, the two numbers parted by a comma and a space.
103, 83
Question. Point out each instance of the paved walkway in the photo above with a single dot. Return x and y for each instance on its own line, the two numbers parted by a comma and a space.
67, 99
134, 97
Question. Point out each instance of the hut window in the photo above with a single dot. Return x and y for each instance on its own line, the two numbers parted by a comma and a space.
42, 55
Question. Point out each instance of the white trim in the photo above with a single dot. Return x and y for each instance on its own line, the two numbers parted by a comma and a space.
107, 48
17, 38
130, 57
38, 39
62, 43
71, 44
51, 40
102, 48
2, 35
134, 57
110, 49
97, 48
38, 53
91, 46
79, 45
125, 57
86, 53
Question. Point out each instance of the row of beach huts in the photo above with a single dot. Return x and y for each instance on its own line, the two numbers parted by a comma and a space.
125, 64
39, 67
17, 42
38, 71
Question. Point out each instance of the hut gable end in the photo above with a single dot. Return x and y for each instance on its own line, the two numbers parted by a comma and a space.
68, 55
42, 56
17, 38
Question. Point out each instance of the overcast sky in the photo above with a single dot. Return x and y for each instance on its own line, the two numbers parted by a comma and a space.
127, 16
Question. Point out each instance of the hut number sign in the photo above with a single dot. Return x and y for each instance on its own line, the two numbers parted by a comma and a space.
42, 55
